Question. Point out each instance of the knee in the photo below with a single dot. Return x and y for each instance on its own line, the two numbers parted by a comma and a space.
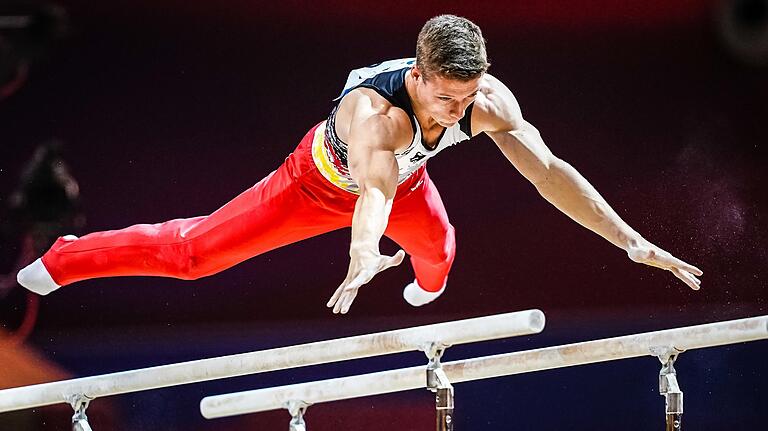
190, 269
444, 247
190, 265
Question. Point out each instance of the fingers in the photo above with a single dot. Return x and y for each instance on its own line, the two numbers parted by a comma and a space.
346, 293
692, 269
687, 278
341, 298
682, 270
685, 272
346, 301
660, 258
684, 266
349, 293
348, 283
335, 296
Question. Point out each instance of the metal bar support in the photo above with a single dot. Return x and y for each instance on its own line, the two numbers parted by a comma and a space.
437, 382
297, 409
79, 403
669, 388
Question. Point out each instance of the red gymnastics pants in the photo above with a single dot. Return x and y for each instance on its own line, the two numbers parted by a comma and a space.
292, 203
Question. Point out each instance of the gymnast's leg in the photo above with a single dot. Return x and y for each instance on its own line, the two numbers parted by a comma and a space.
419, 223
274, 212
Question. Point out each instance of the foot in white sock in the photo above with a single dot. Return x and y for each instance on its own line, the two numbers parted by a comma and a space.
35, 277
416, 296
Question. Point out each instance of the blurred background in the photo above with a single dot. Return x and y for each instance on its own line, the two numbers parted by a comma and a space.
121, 112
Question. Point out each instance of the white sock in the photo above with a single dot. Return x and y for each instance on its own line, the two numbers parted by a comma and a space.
36, 278
416, 296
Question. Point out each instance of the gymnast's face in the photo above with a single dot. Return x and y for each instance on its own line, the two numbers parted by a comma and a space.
445, 100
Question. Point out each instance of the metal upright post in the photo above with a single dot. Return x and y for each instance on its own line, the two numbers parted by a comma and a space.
437, 382
670, 389
79, 403
297, 410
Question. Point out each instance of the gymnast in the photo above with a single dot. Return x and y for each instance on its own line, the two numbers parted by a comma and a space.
364, 167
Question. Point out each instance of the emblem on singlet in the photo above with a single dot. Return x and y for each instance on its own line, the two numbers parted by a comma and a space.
417, 157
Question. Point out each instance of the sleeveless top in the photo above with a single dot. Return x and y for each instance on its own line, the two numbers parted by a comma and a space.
329, 152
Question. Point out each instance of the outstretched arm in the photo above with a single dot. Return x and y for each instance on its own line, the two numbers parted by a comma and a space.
563, 186
372, 137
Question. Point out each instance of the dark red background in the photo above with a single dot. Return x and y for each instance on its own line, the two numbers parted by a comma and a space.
168, 110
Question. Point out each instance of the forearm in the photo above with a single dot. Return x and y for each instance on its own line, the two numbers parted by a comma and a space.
369, 221
498, 115
565, 188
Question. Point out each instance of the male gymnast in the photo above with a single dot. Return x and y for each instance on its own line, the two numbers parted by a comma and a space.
364, 167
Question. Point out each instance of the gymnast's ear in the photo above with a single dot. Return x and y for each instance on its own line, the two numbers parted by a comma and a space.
416, 73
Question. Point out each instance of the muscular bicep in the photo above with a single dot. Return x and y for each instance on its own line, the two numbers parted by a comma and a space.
500, 117
526, 150
371, 153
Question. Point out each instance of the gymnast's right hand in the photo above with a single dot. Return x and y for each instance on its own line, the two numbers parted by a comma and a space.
362, 267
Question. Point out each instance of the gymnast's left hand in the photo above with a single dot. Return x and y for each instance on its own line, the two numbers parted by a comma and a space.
649, 254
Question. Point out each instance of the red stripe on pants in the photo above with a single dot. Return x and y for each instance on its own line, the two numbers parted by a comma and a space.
292, 203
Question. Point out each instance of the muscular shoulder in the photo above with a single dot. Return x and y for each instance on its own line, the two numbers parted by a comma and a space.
365, 115
496, 109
